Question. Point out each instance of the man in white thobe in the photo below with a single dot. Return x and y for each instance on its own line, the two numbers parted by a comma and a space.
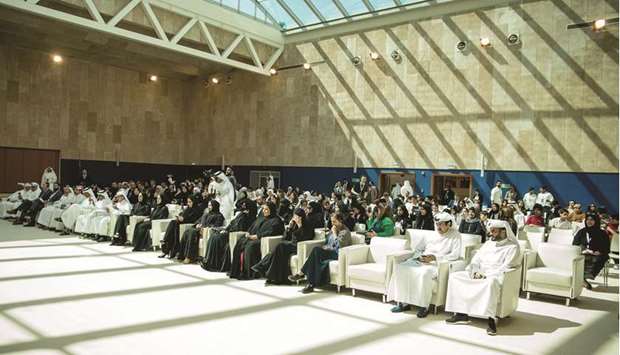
407, 190
49, 177
496, 193
46, 216
529, 199
70, 215
225, 195
395, 191
13, 201
412, 280
476, 290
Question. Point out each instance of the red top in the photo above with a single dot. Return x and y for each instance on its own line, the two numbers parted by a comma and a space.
535, 220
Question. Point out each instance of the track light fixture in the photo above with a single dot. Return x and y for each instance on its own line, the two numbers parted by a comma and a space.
599, 24
215, 80
513, 39
374, 55
307, 66
396, 55
273, 71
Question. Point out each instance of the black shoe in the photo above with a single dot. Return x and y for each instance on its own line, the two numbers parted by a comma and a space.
422, 312
58, 219
269, 282
458, 318
401, 307
492, 329
161, 256
64, 233
307, 289
587, 285
296, 277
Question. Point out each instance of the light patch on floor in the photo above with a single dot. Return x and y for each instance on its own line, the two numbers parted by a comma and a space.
65, 295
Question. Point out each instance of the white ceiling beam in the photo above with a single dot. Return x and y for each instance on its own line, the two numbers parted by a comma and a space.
130, 35
124, 11
92, 10
184, 30
210, 41
154, 20
255, 57
232, 46
272, 60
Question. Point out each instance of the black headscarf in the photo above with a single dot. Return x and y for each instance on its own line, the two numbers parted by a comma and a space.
426, 221
215, 206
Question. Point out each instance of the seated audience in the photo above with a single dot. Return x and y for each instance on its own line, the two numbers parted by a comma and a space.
141, 240
380, 224
141, 208
211, 217
536, 218
472, 225
424, 220
171, 242
561, 222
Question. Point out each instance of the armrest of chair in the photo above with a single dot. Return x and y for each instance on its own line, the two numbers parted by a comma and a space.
578, 275
394, 259
268, 244
529, 259
458, 265
469, 252
509, 292
356, 256
342, 263
443, 270
158, 226
183, 227
136, 219
233, 237
305, 248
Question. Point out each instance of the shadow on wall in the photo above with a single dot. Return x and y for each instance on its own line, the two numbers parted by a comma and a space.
356, 94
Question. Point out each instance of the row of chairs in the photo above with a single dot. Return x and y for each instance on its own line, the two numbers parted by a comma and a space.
548, 266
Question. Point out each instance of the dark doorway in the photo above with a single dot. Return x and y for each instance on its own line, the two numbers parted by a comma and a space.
387, 180
25, 165
461, 184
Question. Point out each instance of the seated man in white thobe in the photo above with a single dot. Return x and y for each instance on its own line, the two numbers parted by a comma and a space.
412, 280
476, 290
70, 215
50, 211
14, 200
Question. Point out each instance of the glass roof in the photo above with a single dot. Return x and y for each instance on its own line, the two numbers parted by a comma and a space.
298, 15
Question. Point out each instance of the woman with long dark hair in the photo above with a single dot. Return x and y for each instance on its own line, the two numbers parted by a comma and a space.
171, 243
595, 245
141, 240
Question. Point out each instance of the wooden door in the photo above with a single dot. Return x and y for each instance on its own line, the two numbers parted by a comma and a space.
386, 181
25, 165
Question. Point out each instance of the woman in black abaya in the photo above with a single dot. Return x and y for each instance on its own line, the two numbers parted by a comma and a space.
247, 250
275, 266
217, 257
171, 244
212, 217
141, 240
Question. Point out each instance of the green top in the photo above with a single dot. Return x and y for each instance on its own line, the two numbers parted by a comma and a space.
383, 228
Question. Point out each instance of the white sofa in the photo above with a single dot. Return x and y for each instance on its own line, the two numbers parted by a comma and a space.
555, 270
158, 226
131, 227
338, 268
560, 236
369, 267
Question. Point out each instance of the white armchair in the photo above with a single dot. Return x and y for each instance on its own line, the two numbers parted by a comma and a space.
233, 237
111, 225
131, 227
338, 268
304, 249
555, 270
158, 226
560, 236
369, 267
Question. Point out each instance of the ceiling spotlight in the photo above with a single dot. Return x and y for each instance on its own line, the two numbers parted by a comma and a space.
307, 66
56, 58
599, 24
228, 80
485, 42
395, 55
272, 71
356, 60
153, 78
215, 80
461, 45
374, 55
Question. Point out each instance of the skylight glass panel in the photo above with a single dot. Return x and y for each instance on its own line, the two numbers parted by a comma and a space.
354, 7
302, 11
328, 9
233, 4
247, 7
284, 20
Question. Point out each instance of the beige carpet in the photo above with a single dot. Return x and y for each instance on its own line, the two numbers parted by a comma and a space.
63, 295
